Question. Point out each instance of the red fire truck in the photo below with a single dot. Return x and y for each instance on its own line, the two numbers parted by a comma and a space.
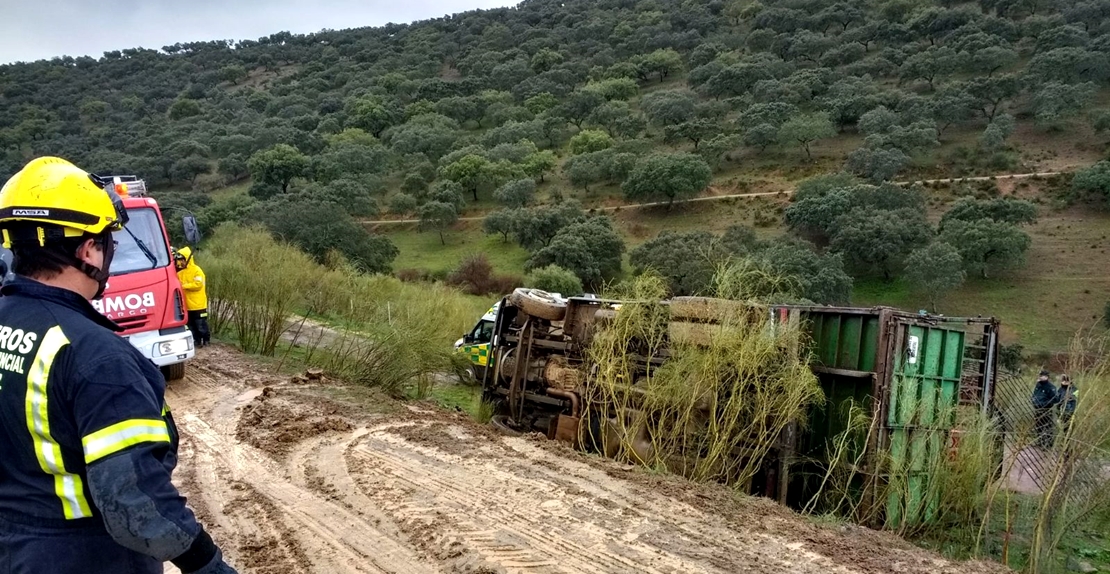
143, 294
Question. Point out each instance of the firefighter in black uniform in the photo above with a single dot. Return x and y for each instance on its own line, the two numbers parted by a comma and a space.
87, 445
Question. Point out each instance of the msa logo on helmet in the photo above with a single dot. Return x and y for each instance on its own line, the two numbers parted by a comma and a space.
125, 305
31, 213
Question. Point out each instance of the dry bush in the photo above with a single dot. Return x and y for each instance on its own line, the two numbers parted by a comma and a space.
475, 276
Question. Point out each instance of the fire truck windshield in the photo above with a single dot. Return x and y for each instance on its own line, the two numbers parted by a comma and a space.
141, 246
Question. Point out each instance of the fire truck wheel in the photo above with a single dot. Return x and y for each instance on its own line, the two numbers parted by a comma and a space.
174, 372
539, 304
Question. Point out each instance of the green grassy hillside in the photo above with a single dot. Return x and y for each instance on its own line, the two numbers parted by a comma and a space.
319, 137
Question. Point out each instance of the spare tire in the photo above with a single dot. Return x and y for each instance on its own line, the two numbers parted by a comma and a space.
540, 304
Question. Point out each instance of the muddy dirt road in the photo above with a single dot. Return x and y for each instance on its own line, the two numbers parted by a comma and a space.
304, 478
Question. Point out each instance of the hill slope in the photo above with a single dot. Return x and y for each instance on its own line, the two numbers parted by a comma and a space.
432, 117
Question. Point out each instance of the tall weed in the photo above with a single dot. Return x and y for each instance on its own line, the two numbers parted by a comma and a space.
369, 329
256, 284
718, 404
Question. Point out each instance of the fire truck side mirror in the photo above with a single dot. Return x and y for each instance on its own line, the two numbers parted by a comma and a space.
192, 230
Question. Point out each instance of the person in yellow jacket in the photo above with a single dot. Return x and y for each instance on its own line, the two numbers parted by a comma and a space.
196, 295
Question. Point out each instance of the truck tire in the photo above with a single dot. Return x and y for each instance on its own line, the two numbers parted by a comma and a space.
174, 372
501, 423
540, 304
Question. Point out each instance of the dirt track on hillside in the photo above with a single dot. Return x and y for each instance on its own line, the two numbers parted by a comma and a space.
291, 480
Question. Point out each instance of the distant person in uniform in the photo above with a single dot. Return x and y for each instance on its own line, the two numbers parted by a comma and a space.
196, 295
1066, 397
1044, 398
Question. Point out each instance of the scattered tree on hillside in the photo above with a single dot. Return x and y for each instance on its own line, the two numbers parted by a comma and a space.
688, 261
579, 106
373, 114
402, 204
448, 192
877, 241
876, 164
1003, 209
997, 132
694, 130
668, 176
233, 167
587, 141
516, 193
438, 216
614, 88
356, 196
474, 172
669, 107
591, 249
618, 119
184, 108
533, 227
934, 271
322, 226
716, 149
805, 129
817, 278
1093, 181
501, 222
986, 245
277, 167
584, 170
539, 163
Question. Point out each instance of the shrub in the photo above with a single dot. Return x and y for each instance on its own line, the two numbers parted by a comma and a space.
475, 276
402, 204
1011, 357
554, 279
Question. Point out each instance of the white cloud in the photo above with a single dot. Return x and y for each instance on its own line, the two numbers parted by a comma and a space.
43, 29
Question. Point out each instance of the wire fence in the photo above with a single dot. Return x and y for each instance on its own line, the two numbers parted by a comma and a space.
1039, 449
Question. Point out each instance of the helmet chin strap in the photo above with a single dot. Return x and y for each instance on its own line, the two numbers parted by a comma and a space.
98, 274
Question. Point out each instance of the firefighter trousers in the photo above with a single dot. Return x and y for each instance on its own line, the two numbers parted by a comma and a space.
198, 324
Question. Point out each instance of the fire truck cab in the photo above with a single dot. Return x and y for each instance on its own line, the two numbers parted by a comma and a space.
143, 294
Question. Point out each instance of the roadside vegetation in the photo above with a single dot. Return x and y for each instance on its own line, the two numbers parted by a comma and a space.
372, 330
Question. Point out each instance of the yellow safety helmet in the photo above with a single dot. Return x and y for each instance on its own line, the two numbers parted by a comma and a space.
69, 201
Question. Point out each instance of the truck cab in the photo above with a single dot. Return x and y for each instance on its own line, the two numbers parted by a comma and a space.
143, 294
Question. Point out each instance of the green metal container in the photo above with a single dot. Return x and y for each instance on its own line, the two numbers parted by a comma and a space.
910, 372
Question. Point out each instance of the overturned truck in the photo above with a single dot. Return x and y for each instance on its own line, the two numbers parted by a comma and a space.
910, 373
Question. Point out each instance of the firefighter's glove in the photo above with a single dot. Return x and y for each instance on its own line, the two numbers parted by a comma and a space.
216, 566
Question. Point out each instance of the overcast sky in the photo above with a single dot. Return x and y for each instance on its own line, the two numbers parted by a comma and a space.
38, 29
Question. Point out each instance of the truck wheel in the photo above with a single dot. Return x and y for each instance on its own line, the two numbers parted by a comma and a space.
501, 423
538, 303
174, 372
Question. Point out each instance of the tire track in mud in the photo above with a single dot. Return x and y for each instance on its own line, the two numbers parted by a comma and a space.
337, 539
425, 491
525, 517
